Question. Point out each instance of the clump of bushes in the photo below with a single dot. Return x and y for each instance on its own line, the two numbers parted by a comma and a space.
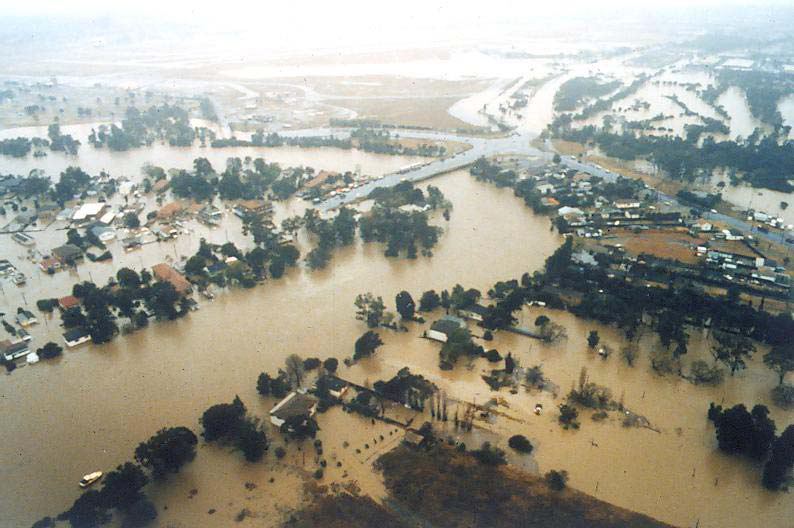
783, 396
705, 374
520, 443
556, 480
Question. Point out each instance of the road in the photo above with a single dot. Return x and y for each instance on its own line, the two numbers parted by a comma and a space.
513, 144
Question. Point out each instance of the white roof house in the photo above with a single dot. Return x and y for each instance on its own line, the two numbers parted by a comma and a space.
108, 217
88, 210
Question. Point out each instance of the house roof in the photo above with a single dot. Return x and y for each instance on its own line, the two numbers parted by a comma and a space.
160, 185
253, 205
69, 301
7, 347
67, 251
447, 324
86, 210
164, 272
73, 334
295, 404
169, 210
335, 384
476, 308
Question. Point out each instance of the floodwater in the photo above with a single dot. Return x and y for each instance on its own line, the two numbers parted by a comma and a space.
758, 199
89, 409
786, 107
742, 122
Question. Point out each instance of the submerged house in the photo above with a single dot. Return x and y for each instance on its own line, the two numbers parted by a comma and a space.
12, 351
440, 330
76, 336
296, 408
67, 254
166, 273
475, 312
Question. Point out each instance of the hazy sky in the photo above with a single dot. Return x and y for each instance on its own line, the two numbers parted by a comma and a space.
301, 24
355, 8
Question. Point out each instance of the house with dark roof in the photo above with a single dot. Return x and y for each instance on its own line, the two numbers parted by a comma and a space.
252, 207
475, 312
76, 336
11, 351
440, 330
295, 406
67, 254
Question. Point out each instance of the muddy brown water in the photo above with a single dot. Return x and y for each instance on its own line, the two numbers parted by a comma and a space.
89, 409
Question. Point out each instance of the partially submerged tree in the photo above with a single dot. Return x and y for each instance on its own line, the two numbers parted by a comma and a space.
780, 359
732, 350
781, 461
366, 345
167, 451
370, 309
405, 305
593, 339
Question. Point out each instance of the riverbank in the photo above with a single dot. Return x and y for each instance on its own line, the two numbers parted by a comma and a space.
449, 487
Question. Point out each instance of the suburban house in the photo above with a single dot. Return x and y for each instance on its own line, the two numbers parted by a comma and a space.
11, 351
130, 243
475, 312
160, 186
70, 301
252, 207
166, 273
108, 218
210, 215
105, 234
49, 263
732, 234
67, 254
89, 211
319, 179
76, 336
169, 211
443, 327
336, 387
26, 318
295, 406
627, 204
22, 238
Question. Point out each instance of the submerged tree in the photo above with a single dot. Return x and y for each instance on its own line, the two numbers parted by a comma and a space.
167, 451
366, 345
781, 359
732, 350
